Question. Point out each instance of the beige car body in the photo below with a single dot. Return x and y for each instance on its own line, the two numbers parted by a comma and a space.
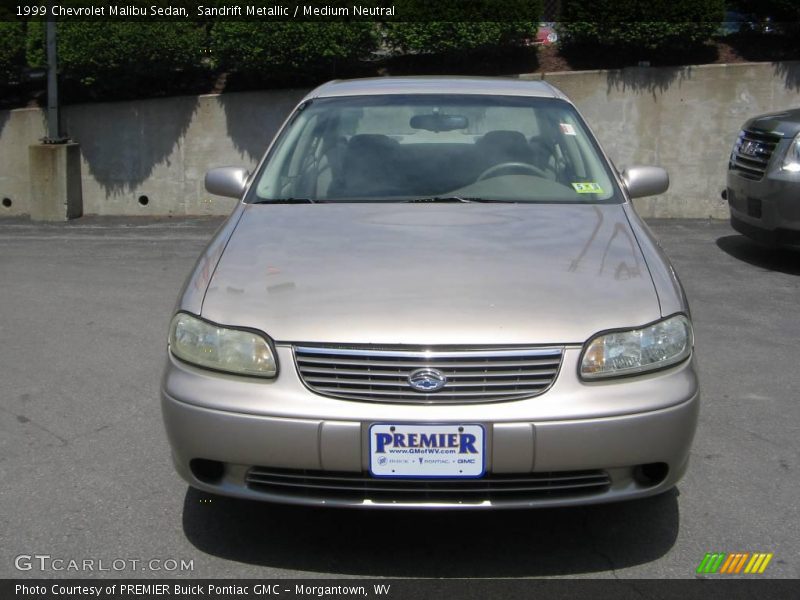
423, 283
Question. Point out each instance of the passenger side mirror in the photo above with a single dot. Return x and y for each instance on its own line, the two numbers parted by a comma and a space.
645, 181
227, 181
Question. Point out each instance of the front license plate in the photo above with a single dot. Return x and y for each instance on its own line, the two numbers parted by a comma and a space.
411, 450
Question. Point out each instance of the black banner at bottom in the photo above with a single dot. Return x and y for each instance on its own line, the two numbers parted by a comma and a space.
419, 589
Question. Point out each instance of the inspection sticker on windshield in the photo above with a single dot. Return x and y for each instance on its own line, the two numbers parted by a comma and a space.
587, 188
567, 129
415, 450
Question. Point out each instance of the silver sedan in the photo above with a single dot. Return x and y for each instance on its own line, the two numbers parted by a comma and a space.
432, 293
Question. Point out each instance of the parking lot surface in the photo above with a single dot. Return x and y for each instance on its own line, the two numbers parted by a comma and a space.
86, 473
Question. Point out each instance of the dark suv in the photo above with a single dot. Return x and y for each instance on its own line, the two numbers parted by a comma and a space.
763, 189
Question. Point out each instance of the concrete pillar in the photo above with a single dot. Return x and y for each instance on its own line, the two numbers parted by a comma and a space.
55, 171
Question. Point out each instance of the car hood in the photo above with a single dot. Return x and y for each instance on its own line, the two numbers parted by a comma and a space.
427, 274
785, 123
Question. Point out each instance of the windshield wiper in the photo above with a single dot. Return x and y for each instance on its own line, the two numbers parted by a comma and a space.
421, 200
432, 199
491, 200
286, 201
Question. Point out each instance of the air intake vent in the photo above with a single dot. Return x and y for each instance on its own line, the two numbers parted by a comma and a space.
360, 486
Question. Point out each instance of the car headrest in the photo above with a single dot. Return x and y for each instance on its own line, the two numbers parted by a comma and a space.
371, 142
501, 138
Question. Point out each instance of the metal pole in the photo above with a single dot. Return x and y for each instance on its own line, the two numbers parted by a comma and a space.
53, 126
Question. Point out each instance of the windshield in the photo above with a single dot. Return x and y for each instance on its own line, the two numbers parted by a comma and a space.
435, 148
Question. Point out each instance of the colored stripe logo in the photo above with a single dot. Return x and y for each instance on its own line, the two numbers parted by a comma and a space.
734, 563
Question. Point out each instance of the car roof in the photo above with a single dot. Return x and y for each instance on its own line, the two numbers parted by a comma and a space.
487, 86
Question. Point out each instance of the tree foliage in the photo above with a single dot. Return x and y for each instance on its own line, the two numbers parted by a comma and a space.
781, 11
300, 51
121, 59
12, 50
443, 27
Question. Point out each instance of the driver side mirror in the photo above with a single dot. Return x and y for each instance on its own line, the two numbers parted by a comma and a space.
645, 181
227, 181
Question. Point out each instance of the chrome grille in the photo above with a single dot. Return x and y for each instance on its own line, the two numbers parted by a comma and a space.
752, 152
492, 487
382, 375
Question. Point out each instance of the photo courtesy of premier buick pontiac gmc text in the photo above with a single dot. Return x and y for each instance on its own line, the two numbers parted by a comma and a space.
432, 293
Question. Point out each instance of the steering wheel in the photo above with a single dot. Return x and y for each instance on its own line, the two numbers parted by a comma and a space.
519, 166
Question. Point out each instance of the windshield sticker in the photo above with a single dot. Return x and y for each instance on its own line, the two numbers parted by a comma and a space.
567, 129
587, 188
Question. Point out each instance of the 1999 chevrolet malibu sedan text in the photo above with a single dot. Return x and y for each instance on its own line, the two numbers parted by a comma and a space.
434, 292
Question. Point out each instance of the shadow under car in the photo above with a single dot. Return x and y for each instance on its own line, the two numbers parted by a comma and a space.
430, 543
781, 260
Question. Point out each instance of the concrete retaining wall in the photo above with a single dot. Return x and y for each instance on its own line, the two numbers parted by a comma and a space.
684, 118
149, 157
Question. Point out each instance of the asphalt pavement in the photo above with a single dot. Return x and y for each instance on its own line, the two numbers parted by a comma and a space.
86, 473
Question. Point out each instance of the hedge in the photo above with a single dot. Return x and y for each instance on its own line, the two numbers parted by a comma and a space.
121, 59
300, 51
110, 60
12, 50
656, 25
444, 37
442, 30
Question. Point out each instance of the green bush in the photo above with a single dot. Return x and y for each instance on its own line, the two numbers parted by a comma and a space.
300, 51
12, 50
632, 25
111, 60
443, 28
443, 37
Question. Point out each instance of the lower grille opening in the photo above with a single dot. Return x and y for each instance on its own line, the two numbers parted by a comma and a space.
492, 487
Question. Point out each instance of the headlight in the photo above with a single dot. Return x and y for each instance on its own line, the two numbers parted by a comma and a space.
638, 350
232, 350
791, 162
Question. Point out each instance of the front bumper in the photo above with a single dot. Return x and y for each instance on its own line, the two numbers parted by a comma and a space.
529, 442
767, 210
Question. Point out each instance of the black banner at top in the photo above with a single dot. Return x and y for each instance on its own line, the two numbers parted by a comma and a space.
272, 10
